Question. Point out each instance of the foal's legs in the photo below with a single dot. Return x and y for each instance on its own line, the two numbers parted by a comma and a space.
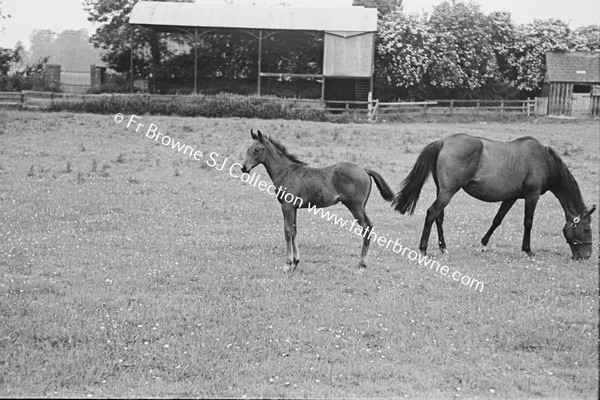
530, 203
289, 231
433, 214
295, 249
359, 213
502, 211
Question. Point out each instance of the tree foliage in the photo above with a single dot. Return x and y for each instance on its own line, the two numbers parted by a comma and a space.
9, 57
449, 53
403, 53
528, 55
587, 38
70, 49
458, 51
383, 6
113, 35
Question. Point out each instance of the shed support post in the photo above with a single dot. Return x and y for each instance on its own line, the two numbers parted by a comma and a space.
131, 59
371, 81
259, 59
195, 60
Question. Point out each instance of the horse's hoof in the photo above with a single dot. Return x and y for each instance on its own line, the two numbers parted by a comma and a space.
287, 268
360, 271
444, 250
482, 249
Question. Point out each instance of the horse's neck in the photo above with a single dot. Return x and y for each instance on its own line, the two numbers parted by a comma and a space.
570, 201
278, 166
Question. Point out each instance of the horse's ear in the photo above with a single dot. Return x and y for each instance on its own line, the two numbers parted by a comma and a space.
591, 210
260, 135
253, 135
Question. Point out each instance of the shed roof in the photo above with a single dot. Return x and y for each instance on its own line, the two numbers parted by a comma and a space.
575, 67
244, 16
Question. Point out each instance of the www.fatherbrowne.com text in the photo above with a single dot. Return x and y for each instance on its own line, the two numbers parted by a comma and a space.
213, 160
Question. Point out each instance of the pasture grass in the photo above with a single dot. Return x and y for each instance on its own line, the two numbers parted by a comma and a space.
142, 272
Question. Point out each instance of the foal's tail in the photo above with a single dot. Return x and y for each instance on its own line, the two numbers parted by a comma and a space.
406, 199
383, 187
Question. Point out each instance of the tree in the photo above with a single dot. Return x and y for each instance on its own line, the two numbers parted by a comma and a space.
587, 38
42, 44
113, 35
73, 50
503, 38
463, 59
383, 6
403, 55
528, 56
8, 58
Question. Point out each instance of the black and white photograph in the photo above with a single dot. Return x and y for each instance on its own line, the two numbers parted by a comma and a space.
308, 199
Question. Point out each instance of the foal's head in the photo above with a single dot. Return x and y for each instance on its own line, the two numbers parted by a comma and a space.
256, 153
578, 233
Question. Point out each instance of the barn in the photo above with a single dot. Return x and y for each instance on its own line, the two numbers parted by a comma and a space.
345, 32
572, 83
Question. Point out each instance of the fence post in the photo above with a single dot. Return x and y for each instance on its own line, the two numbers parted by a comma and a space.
528, 106
502, 107
451, 106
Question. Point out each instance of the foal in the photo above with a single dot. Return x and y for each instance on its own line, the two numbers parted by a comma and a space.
314, 187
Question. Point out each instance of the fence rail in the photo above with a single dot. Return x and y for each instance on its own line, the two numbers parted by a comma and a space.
449, 107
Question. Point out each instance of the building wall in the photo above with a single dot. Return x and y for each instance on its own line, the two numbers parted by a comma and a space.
562, 101
348, 54
559, 98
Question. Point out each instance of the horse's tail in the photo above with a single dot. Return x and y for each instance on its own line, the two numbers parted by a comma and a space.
406, 199
382, 185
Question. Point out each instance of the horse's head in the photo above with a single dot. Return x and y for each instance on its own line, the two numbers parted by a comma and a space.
578, 233
256, 153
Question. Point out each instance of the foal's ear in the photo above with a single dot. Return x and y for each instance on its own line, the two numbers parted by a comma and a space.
253, 135
590, 211
260, 135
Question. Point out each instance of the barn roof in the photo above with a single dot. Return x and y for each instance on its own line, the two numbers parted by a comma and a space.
248, 16
576, 67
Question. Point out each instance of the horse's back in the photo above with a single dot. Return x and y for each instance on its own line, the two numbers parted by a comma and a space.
330, 184
493, 170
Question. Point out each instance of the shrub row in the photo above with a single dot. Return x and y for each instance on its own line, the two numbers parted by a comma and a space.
221, 105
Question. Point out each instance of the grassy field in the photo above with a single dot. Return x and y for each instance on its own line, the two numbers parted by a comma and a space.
128, 270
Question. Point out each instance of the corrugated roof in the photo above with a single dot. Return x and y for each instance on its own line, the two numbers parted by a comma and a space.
355, 18
576, 67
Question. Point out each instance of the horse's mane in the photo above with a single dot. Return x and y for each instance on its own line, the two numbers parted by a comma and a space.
566, 180
285, 151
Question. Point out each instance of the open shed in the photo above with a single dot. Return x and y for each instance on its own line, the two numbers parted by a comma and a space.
572, 83
347, 32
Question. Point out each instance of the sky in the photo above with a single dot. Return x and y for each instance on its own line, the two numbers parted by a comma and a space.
60, 15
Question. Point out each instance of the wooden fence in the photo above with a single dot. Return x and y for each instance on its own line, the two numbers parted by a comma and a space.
378, 109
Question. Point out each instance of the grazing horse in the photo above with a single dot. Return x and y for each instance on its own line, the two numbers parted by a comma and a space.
495, 171
301, 186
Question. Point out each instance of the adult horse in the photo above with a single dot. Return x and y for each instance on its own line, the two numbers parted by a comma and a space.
301, 186
495, 171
